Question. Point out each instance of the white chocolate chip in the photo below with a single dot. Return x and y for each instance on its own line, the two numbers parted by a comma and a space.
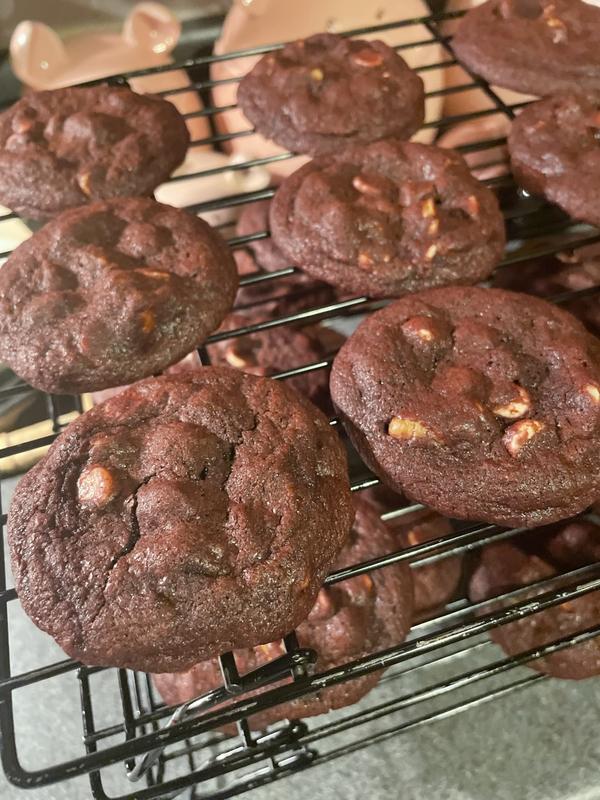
365, 261
148, 321
558, 27
364, 186
419, 326
272, 650
409, 429
431, 252
428, 208
516, 408
96, 486
234, 359
317, 74
473, 205
413, 538
366, 581
593, 391
434, 227
153, 273
367, 58
517, 436
84, 183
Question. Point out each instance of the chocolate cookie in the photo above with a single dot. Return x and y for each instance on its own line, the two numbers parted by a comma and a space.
554, 149
321, 94
186, 516
389, 218
112, 292
67, 147
573, 271
509, 565
278, 350
481, 403
534, 46
286, 295
349, 620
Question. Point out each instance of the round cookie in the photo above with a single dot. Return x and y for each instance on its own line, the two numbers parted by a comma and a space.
509, 565
535, 46
186, 516
279, 350
349, 620
67, 147
112, 292
321, 94
554, 149
286, 295
481, 403
389, 218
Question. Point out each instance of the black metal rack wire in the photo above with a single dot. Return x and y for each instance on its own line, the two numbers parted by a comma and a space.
191, 754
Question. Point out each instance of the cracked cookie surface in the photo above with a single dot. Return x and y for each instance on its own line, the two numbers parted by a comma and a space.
67, 147
554, 147
349, 620
389, 218
324, 93
165, 526
536, 46
481, 403
110, 293
506, 566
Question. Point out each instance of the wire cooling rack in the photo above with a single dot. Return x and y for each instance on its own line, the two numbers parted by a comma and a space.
191, 756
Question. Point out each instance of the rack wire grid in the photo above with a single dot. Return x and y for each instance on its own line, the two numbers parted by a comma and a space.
191, 755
